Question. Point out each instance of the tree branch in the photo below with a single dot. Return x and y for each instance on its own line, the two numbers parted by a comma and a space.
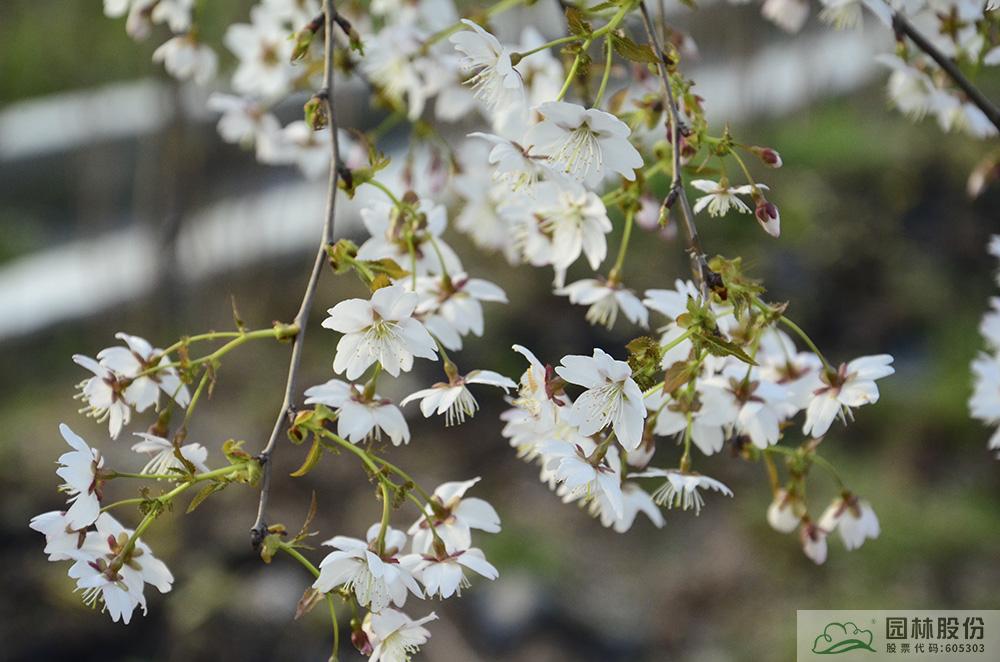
902, 26
259, 529
703, 275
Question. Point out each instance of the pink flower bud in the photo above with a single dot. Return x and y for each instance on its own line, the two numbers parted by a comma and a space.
768, 217
361, 642
768, 156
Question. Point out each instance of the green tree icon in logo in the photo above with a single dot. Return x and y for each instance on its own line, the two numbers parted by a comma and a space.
841, 638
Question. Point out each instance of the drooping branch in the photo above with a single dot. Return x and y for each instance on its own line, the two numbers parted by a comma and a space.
903, 27
259, 528
703, 275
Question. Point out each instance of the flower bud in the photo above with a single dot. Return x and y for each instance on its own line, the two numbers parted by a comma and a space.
768, 217
781, 513
768, 156
813, 542
316, 115
359, 639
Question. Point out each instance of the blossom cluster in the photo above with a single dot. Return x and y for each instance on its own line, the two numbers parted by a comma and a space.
568, 151
960, 30
984, 404
109, 566
598, 447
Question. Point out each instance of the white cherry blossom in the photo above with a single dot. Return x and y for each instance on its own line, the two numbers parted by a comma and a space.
360, 417
395, 637
584, 143
720, 197
376, 580
854, 518
184, 58
495, 82
572, 469
264, 52
635, 500
813, 540
781, 514
120, 589
611, 397
453, 399
454, 516
445, 576
80, 469
681, 489
452, 307
385, 223
382, 329
853, 385
62, 541
163, 458
605, 299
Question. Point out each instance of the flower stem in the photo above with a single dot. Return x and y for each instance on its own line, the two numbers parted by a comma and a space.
547, 45
676, 341
163, 500
307, 564
615, 272
826, 464
278, 332
799, 332
386, 513
385, 189
607, 72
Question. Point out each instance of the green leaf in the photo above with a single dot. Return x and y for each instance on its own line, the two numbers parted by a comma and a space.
205, 492
312, 459
721, 347
630, 50
574, 19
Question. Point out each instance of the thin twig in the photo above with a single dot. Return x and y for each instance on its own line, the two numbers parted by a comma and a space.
703, 275
902, 26
259, 528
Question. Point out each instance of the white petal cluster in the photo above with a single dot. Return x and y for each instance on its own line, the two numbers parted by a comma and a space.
984, 404
127, 378
108, 574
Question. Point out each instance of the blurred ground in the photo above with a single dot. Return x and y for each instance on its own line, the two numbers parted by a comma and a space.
880, 252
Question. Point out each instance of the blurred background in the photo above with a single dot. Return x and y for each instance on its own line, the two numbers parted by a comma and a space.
123, 211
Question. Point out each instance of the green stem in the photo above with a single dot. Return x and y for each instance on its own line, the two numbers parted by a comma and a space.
362, 455
211, 335
124, 502
572, 71
547, 45
385, 189
279, 332
196, 396
607, 72
307, 564
440, 257
163, 500
743, 167
826, 464
405, 476
685, 464
676, 341
615, 272
386, 514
